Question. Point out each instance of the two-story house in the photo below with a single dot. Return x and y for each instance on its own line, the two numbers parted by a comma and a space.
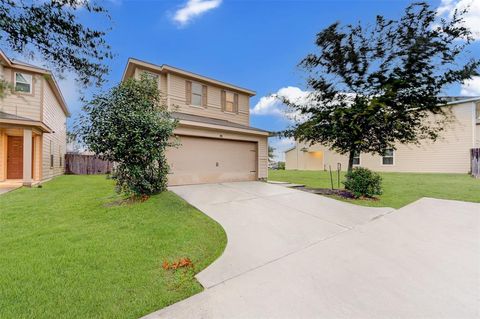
33, 118
450, 153
217, 143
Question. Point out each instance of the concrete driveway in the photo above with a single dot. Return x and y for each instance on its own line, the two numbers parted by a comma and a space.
292, 254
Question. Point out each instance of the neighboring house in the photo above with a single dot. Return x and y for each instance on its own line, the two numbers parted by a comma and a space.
217, 142
449, 154
33, 118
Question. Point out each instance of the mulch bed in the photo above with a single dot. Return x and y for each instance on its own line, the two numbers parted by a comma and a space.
334, 192
327, 191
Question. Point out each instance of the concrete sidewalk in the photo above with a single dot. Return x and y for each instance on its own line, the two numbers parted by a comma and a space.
293, 254
9, 186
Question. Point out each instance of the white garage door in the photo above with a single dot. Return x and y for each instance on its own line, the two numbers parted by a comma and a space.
206, 160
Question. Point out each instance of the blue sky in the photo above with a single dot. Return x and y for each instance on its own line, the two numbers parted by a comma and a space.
254, 44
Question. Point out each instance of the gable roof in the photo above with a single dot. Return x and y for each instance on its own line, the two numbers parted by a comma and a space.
290, 149
451, 100
35, 69
132, 63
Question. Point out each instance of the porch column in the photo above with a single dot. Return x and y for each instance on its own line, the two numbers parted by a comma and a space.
37, 157
27, 157
3, 156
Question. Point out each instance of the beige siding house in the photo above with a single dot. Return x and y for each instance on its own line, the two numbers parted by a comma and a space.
217, 143
449, 154
33, 118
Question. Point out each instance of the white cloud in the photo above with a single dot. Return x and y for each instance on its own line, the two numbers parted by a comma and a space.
194, 8
272, 105
471, 87
472, 18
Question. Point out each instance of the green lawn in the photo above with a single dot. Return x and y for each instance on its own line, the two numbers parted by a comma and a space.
66, 253
399, 189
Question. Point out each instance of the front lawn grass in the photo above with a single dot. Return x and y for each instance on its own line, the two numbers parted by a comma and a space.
67, 252
399, 189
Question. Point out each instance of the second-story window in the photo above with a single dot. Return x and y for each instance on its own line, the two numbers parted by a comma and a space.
229, 101
23, 82
196, 94
150, 76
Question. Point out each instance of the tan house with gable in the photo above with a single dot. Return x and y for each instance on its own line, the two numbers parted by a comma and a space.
449, 154
217, 142
33, 118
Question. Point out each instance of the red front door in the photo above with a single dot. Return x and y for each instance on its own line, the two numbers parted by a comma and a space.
15, 157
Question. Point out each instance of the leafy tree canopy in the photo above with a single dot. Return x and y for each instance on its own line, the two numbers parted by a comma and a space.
271, 154
131, 126
376, 86
54, 30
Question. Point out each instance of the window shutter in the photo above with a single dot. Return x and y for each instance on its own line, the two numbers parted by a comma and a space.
188, 92
204, 96
224, 99
235, 103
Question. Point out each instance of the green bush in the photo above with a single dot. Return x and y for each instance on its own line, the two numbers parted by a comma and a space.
131, 126
281, 165
363, 182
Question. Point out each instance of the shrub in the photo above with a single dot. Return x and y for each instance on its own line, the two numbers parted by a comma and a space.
363, 182
281, 165
131, 126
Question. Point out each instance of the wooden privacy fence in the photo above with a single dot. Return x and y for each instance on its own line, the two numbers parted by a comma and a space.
86, 165
475, 166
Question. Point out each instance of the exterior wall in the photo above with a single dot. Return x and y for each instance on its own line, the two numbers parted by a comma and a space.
174, 89
213, 110
477, 138
308, 161
261, 141
291, 159
53, 143
23, 104
449, 154
477, 125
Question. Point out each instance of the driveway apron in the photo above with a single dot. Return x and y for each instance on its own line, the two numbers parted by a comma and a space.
292, 254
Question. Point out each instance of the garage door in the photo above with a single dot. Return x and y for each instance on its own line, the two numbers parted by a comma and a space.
206, 160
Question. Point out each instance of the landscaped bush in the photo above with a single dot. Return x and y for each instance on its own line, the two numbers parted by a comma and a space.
131, 126
363, 182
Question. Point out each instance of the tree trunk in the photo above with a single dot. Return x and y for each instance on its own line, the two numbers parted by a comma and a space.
350, 160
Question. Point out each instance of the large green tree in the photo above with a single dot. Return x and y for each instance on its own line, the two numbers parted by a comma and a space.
131, 126
373, 87
54, 32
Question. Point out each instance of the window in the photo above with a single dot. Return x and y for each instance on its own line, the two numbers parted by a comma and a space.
197, 94
356, 158
150, 75
51, 154
23, 82
229, 102
387, 158
59, 157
